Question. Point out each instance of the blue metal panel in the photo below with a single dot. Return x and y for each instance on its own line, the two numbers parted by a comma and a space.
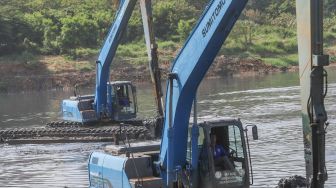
114, 171
95, 168
108, 52
78, 110
70, 111
107, 171
190, 66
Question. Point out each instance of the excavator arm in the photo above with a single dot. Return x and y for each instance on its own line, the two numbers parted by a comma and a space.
106, 101
188, 70
155, 72
107, 54
313, 88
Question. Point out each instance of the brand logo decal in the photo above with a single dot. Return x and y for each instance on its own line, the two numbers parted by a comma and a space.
213, 17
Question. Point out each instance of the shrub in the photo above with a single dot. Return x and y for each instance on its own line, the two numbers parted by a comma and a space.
81, 53
78, 31
184, 28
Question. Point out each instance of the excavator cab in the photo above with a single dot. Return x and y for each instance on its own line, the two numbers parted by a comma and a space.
121, 104
223, 155
122, 101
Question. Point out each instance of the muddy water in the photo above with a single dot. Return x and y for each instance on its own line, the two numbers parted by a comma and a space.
272, 102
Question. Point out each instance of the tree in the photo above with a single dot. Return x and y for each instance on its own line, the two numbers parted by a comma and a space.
167, 15
185, 27
78, 31
6, 37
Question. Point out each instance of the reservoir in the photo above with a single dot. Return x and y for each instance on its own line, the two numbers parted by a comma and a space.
271, 101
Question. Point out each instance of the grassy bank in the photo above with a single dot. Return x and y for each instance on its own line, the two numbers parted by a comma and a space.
74, 30
272, 45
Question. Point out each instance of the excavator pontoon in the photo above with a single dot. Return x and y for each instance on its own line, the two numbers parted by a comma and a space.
116, 101
99, 117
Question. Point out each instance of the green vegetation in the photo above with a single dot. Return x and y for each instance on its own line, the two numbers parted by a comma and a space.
135, 53
76, 29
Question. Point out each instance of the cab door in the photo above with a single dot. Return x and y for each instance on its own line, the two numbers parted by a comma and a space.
124, 105
232, 169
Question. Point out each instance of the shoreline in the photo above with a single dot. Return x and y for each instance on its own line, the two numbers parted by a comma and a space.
21, 78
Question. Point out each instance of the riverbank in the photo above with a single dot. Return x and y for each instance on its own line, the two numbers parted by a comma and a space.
56, 72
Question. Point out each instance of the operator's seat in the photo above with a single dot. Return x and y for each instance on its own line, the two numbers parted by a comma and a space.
124, 102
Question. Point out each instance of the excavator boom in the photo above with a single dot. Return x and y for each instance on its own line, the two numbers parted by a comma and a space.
188, 70
107, 54
147, 18
116, 101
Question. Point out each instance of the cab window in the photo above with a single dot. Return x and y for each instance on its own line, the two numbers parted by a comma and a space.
228, 155
125, 98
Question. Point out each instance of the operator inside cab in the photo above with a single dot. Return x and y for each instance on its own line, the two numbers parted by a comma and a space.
220, 154
123, 97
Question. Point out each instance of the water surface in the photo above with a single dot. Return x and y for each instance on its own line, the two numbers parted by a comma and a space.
272, 102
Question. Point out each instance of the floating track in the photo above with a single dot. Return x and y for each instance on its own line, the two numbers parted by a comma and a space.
63, 132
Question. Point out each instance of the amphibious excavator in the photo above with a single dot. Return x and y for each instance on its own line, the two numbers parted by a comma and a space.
115, 101
186, 156
99, 117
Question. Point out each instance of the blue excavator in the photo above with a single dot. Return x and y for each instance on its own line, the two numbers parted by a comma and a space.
116, 101
187, 154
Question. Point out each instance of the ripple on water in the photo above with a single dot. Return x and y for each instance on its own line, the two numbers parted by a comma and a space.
55, 165
278, 153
